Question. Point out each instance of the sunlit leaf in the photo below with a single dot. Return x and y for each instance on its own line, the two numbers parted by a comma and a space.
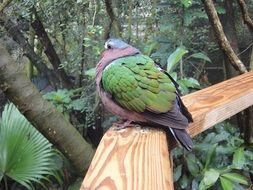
190, 82
235, 177
186, 3
25, 155
174, 75
184, 89
239, 158
174, 58
226, 183
201, 56
210, 178
91, 73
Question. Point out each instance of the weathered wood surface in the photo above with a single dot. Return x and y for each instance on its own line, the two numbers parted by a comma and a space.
138, 159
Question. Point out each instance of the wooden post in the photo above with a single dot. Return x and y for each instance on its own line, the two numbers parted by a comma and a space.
138, 159
131, 159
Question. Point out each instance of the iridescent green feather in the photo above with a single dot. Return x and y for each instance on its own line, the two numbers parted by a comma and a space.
137, 84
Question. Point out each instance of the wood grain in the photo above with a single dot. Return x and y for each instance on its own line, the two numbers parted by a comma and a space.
138, 159
130, 159
219, 102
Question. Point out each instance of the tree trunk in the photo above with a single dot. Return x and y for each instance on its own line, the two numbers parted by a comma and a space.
42, 114
50, 52
245, 15
221, 37
114, 22
251, 60
32, 44
230, 31
17, 35
228, 24
129, 20
246, 117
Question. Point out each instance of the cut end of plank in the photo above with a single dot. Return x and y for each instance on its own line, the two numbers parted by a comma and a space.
132, 158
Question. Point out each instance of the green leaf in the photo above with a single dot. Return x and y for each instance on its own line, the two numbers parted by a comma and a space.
174, 58
1, 176
177, 172
25, 155
183, 182
60, 96
190, 82
226, 183
222, 136
150, 47
186, 3
220, 9
184, 89
192, 164
78, 104
91, 73
210, 178
235, 177
174, 75
76, 185
210, 155
201, 56
238, 158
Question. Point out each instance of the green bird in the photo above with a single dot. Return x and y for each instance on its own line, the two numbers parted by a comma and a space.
134, 87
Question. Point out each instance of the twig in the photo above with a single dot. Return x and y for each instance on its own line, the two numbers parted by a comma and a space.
4, 4
245, 49
221, 37
245, 15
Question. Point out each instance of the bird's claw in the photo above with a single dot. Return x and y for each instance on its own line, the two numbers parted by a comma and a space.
124, 125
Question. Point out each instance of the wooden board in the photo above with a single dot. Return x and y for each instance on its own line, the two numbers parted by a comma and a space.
130, 159
135, 159
219, 102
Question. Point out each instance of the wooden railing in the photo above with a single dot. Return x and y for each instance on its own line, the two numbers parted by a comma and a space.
138, 158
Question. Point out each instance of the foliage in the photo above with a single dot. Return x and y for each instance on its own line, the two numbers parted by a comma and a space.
25, 155
175, 59
175, 33
64, 101
219, 159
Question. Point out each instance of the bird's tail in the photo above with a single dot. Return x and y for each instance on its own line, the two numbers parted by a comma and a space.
183, 138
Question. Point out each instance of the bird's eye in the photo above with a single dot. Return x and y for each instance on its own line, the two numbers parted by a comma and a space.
109, 47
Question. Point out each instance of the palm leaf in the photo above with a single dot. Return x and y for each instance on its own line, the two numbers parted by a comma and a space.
25, 155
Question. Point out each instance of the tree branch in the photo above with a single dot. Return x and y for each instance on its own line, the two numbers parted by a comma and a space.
42, 114
50, 51
221, 37
17, 35
4, 4
245, 15
113, 20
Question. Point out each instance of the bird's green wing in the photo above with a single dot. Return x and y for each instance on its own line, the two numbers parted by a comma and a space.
137, 84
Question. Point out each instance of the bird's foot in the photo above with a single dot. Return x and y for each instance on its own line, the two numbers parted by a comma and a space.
123, 125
